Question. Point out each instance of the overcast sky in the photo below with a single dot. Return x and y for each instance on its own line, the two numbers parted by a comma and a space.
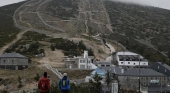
6, 2
157, 3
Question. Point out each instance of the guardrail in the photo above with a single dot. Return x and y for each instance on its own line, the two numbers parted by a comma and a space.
54, 71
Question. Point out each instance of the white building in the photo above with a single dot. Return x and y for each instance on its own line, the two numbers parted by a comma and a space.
127, 58
86, 62
81, 62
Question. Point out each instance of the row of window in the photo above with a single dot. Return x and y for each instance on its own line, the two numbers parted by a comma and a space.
129, 60
82, 61
13, 67
133, 63
146, 84
152, 78
7, 63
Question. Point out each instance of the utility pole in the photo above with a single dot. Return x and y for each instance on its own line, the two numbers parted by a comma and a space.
161, 83
139, 72
117, 45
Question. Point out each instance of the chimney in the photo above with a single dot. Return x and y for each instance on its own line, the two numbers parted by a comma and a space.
85, 54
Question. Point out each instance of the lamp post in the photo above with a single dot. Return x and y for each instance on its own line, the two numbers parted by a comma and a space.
24, 74
139, 73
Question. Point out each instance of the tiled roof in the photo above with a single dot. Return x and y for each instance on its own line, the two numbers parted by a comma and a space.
143, 72
12, 55
133, 71
164, 65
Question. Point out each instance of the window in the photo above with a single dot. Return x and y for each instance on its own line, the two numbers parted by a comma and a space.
82, 66
128, 62
120, 59
165, 70
121, 62
80, 61
134, 63
4, 60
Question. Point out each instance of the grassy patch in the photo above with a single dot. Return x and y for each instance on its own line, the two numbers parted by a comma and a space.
76, 74
8, 31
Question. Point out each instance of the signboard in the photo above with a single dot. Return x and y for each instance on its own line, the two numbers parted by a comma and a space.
154, 81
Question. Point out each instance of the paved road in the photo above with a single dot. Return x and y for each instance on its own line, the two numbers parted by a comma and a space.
112, 49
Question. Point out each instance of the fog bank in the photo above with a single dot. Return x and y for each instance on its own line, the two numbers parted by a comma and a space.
156, 3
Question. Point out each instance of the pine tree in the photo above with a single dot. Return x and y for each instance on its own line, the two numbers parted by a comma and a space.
108, 79
96, 86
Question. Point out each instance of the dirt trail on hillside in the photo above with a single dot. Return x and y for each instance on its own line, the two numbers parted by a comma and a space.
19, 36
101, 52
53, 58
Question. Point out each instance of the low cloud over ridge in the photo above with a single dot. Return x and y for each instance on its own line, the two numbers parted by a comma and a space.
156, 3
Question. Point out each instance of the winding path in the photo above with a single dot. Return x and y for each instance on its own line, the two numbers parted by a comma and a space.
19, 36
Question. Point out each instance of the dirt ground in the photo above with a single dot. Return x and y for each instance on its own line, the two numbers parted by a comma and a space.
55, 58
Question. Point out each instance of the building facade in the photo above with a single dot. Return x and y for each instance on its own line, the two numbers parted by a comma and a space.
14, 61
127, 58
148, 77
81, 62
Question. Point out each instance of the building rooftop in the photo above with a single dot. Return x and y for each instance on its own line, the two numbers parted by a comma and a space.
143, 72
102, 63
12, 55
132, 71
116, 70
128, 54
98, 71
90, 57
164, 65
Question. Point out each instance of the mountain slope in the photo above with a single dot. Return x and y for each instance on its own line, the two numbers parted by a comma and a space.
134, 24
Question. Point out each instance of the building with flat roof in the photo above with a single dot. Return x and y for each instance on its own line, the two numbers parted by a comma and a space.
126, 58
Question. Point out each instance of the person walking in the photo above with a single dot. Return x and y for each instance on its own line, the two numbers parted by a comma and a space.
44, 84
64, 84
